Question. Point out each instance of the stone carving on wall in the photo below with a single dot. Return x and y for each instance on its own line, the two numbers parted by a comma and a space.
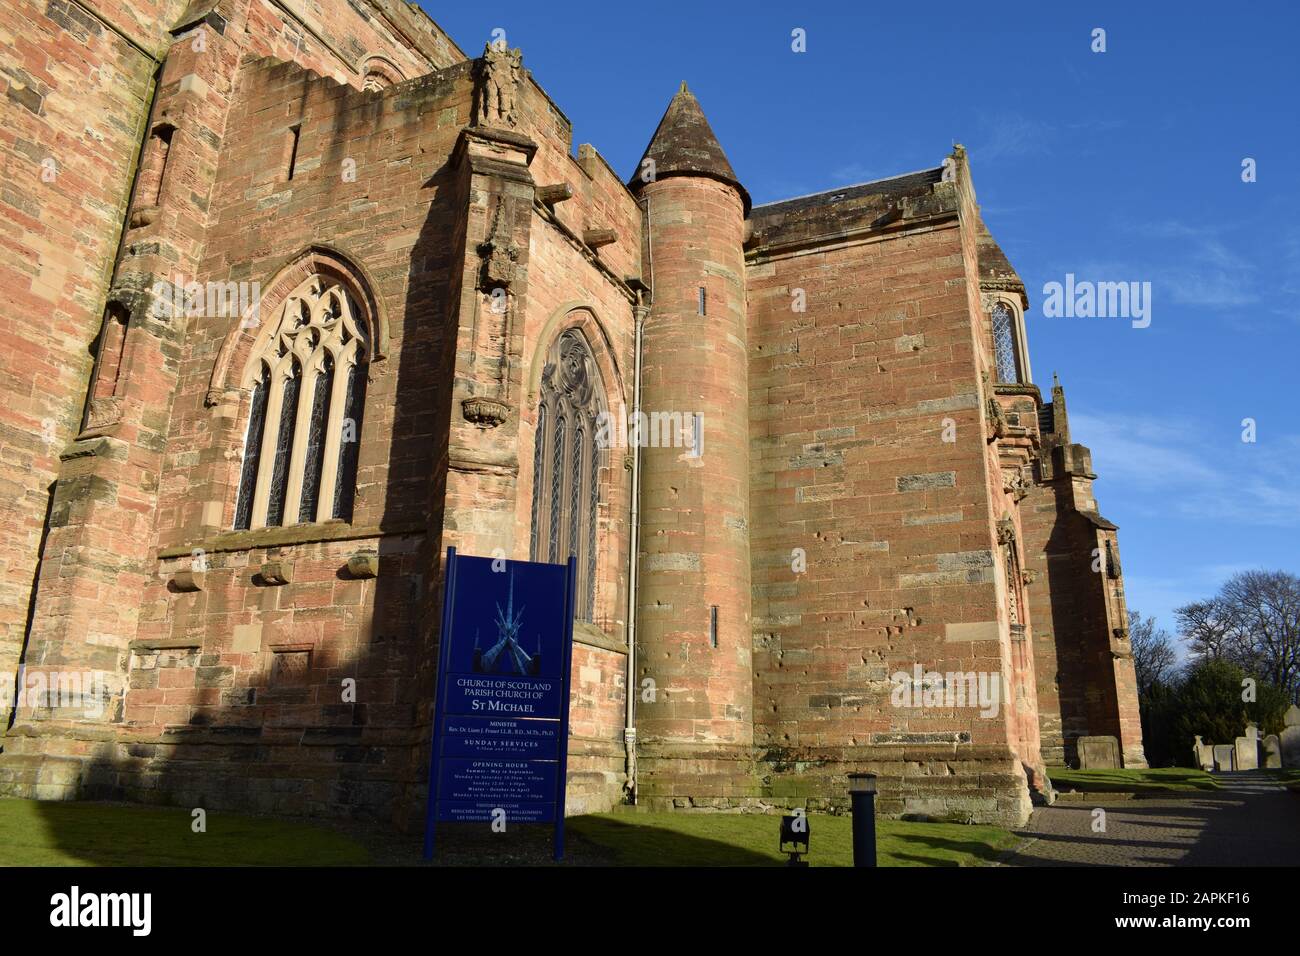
502, 70
499, 253
1015, 483
1006, 531
484, 412
997, 417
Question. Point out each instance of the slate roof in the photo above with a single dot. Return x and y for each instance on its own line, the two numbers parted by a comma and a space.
841, 210
684, 145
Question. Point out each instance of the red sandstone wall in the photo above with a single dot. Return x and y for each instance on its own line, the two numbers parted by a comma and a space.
849, 466
78, 93
337, 39
393, 224
74, 92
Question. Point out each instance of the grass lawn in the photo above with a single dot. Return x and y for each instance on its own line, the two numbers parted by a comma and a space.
634, 838
94, 834
1162, 780
36, 833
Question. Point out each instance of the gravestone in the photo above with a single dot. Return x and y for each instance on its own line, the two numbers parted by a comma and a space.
1099, 753
1291, 738
1247, 753
1202, 753
1224, 757
1272, 752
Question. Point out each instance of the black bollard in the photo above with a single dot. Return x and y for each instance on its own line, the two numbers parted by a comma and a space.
862, 791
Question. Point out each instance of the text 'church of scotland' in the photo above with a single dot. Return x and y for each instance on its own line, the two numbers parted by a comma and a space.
235, 518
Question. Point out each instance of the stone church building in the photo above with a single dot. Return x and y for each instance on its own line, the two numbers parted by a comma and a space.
299, 294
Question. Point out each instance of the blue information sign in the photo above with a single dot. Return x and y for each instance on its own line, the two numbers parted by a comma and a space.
501, 714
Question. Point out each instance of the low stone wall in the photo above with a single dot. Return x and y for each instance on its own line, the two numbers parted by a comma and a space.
949, 782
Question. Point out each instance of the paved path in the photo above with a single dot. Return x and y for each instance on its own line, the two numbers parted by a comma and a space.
1251, 821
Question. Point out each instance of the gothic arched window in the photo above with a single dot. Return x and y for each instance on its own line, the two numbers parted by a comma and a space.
566, 464
308, 383
1009, 355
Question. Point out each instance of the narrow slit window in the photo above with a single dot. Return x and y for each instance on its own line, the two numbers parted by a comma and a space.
704, 301
291, 150
713, 625
697, 436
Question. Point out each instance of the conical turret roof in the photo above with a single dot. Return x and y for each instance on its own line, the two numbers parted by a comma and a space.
684, 145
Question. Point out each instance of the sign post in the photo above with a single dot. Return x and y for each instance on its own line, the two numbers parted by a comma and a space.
499, 749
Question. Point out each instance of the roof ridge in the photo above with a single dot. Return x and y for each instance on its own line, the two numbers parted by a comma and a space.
836, 189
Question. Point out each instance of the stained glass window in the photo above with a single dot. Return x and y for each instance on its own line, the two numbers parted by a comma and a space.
1004, 344
345, 490
308, 380
283, 447
248, 475
314, 461
566, 469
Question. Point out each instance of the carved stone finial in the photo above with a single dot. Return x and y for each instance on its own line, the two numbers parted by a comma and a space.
502, 70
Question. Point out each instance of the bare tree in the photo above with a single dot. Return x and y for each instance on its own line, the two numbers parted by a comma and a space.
1207, 626
1254, 622
1266, 605
1154, 658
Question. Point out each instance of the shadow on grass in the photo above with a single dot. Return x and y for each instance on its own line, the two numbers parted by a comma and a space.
36, 833
1161, 780
636, 844
942, 851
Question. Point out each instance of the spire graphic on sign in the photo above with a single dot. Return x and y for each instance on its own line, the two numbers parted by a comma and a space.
506, 656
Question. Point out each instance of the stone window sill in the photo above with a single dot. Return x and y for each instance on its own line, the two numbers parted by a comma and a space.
337, 530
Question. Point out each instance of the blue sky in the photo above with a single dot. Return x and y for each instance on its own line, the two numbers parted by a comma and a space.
1115, 166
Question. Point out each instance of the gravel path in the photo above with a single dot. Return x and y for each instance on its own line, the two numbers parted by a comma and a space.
1251, 821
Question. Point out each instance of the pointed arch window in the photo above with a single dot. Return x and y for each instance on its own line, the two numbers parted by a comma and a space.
1010, 352
1004, 343
308, 393
567, 463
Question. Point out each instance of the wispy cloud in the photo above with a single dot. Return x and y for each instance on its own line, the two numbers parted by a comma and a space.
1011, 135
1199, 267
855, 173
1178, 467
